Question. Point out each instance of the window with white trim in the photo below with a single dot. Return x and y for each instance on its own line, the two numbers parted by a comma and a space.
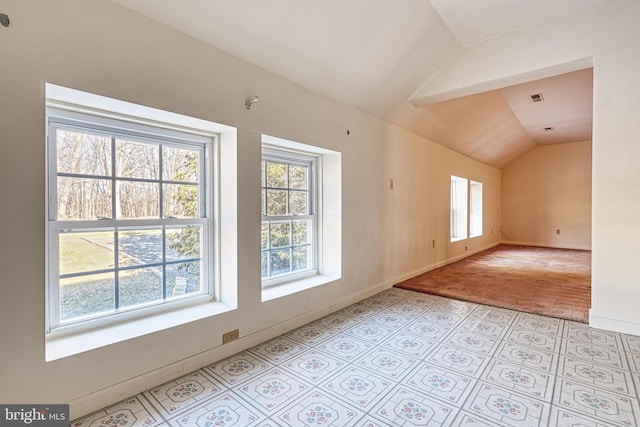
466, 208
289, 220
475, 209
130, 222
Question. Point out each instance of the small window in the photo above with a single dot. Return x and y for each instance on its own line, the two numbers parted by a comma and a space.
475, 209
289, 220
466, 208
129, 217
459, 200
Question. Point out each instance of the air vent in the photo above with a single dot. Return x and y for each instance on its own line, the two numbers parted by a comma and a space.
549, 129
537, 97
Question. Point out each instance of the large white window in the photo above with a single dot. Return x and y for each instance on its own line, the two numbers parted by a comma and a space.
129, 217
466, 208
289, 220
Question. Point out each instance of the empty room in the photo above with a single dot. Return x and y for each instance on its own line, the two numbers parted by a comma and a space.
208, 206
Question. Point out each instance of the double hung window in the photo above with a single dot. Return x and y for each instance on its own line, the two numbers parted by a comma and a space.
466, 208
129, 217
289, 221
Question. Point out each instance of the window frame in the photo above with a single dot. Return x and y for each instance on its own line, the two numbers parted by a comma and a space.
465, 211
476, 189
312, 161
146, 132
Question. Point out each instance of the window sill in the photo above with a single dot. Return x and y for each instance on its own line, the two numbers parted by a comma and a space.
62, 344
284, 289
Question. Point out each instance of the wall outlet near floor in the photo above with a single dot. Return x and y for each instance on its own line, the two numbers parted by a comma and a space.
230, 336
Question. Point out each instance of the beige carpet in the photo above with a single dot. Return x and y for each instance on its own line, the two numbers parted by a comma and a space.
550, 282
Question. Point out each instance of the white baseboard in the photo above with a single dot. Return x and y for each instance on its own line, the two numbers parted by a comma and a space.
97, 400
440, 264
613, 325
546, 245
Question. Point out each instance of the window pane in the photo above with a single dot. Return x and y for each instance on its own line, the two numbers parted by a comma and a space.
180, 164
181, 200
85, 252
276, 202
264, 235
86, 295
280, 234
301, 258
137, 160
298, 203
83, 153
277, 175
298, 177
140, 286
184, 278
265, 264
83, 198
280, 262
301, 232
263, 202
184, 243
262, 172
137, 200
136, 247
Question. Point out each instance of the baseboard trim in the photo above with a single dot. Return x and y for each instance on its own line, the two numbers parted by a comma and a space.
614, 325
439, 264
546, 245
87, 404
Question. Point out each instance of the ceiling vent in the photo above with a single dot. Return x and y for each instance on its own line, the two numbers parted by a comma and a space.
549, 129
537, 97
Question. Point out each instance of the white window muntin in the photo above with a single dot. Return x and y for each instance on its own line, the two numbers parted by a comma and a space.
291, 157
142, 133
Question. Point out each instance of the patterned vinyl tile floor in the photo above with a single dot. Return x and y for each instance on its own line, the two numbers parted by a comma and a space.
401, 358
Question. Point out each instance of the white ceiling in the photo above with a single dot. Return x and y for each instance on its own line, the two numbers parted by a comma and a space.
374, 54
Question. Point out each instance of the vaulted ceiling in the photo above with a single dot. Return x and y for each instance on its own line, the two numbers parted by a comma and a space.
376, 54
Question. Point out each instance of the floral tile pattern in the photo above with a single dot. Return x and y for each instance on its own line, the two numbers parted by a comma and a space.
528, 381
272, 390
597, 337
602, 355
183, 393
133, 412
438, 382
604, 377
533, 339
459, 360
279, 349
406, 408
595, 403
223, 411
359, 387
532, 358
401, 358
318, 409
504, 407
238, 368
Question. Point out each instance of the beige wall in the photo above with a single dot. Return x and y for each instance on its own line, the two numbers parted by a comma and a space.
545, 190
102, 48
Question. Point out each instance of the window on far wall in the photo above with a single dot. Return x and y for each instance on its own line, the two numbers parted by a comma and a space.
129, 217
475, 209
466, 208
289, 220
